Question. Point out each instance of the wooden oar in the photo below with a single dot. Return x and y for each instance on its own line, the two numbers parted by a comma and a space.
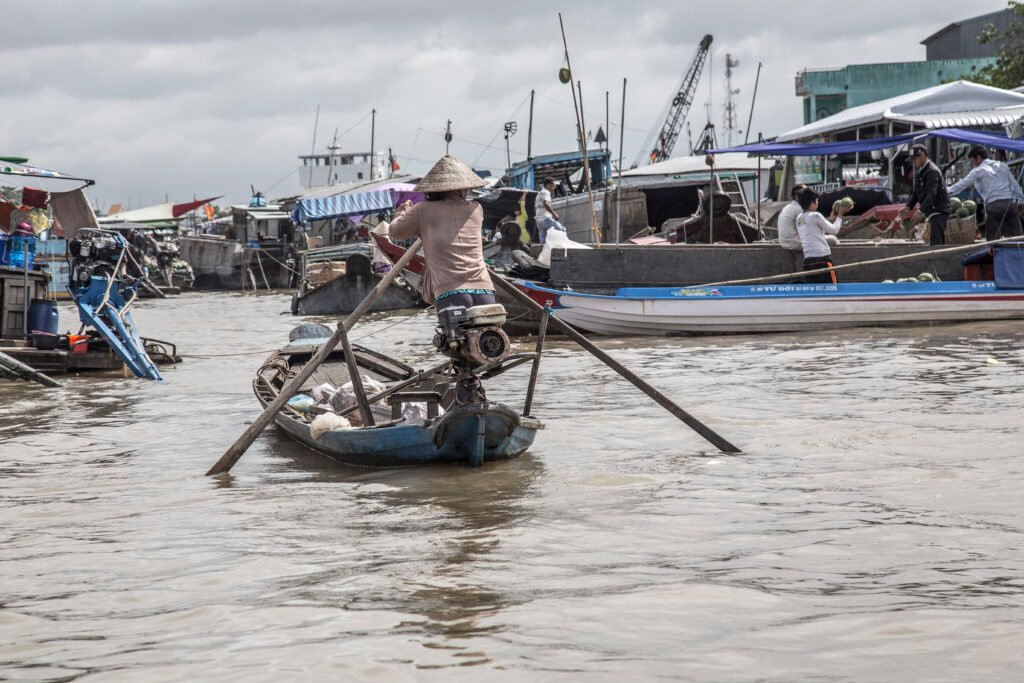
658, 397
231, 456
25, 371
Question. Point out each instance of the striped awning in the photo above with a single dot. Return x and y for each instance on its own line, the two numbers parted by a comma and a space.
335, 206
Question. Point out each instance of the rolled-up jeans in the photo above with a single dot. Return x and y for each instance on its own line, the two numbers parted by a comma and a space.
1002, 219
545, 224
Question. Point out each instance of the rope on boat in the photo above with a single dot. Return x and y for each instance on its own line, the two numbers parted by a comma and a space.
847, 266
280, 263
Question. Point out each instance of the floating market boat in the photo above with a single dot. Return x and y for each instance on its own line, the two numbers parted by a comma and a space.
792, 307
411, 418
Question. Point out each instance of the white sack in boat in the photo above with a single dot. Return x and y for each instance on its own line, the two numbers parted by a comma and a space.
415, 414
556, 239
345, 397
323, 393
327, 422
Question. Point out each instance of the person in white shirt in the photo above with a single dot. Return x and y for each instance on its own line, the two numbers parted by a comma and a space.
998, 189
547, 217
788, 236
812, 228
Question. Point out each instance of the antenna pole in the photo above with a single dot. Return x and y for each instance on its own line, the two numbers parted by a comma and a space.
373, 132
753, 101
312, 151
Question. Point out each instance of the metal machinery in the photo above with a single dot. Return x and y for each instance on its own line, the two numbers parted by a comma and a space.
473, 338
103, 280
679, 107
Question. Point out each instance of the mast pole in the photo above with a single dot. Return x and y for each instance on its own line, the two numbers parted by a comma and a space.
373, 132
581, 135
529, 131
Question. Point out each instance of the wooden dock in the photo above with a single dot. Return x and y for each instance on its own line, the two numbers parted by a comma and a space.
56, 361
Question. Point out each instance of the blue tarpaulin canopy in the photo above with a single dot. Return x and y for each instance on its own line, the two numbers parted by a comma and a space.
338, 205
817, 149
978, 137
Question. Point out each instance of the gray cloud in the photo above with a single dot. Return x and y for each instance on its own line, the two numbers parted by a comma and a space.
156, 97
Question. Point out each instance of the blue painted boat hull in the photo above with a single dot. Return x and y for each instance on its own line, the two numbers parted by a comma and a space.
452, 438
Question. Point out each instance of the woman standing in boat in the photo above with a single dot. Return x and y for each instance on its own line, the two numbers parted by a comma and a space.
812, 228
451, 229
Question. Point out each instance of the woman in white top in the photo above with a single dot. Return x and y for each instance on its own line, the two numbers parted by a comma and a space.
812, 228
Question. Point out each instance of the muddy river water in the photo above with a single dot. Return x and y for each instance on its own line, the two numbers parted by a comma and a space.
872, 529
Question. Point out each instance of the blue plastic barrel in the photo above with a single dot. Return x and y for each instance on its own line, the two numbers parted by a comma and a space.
42, 316
16, 251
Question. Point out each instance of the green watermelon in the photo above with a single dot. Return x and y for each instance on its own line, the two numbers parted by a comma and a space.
963, 212
971, 206
955, 204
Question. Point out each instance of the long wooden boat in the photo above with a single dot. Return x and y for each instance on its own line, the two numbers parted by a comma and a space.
459, 433
779, 307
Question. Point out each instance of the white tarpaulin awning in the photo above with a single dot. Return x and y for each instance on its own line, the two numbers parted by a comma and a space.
726, 162
958, 104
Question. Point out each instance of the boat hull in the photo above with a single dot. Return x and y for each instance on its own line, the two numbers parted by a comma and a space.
782, 308
220, 264
343, 295
445, 441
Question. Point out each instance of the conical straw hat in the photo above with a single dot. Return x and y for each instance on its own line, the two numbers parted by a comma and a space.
449, 174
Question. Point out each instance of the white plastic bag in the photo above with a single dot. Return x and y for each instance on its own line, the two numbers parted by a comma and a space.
327, 422
414, 414
556, 239
322, 394
345, 397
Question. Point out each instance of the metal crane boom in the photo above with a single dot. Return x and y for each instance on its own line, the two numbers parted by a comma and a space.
680, 105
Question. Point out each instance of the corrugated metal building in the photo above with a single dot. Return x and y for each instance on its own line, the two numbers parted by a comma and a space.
959, 40
952, 53
828, 92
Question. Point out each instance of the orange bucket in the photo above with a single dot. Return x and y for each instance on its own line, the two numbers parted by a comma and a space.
78, 343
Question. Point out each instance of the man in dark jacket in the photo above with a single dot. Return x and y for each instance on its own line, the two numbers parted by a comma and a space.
929, 195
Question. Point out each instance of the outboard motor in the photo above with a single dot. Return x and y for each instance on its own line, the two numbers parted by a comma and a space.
473, 335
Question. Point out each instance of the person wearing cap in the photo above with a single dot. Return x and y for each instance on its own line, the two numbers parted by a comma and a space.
998, 189
546, 216
451, 229
929, 195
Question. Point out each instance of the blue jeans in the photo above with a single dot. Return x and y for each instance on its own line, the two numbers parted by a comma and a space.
545, 224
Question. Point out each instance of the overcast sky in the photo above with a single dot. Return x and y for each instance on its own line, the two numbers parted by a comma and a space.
205, 97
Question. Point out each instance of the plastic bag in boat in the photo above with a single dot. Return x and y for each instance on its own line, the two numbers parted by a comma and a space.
415, 414
301, 403
327, 422
556, 239
344, 398
322, 394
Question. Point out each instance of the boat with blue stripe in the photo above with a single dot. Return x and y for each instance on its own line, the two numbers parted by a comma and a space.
791, 307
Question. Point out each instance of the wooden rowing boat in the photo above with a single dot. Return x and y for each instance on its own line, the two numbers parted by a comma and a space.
454, 430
